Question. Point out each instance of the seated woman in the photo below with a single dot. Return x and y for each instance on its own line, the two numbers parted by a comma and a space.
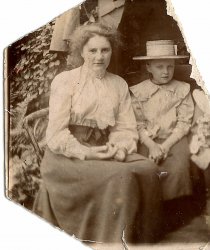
94, 184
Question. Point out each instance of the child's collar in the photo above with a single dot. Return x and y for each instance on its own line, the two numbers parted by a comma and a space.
147, 88
169, 86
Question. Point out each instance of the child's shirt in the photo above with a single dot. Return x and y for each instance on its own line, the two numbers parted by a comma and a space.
162, 109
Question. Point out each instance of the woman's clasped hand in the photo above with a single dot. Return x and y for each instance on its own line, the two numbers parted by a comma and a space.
105, 152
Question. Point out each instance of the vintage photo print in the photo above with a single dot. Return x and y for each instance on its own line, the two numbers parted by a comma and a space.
107, 131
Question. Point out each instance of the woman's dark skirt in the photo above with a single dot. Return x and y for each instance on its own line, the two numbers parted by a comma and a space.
98, 200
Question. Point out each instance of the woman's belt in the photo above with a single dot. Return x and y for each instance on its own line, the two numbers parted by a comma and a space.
89, 136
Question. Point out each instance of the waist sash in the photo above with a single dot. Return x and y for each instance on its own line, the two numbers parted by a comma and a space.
89, 136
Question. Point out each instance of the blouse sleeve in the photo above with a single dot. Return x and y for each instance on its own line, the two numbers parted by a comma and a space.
59, 138
124, 133
185, 113
140, 118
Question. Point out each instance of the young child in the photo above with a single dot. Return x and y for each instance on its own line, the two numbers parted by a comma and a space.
164, 109
200, 140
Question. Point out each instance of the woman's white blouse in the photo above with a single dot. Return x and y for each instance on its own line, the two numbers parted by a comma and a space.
78, 97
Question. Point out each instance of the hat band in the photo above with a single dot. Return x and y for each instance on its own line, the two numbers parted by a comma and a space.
161, 50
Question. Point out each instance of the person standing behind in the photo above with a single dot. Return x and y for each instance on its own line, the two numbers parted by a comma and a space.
164, 109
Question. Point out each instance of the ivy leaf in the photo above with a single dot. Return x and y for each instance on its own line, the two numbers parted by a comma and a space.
45, 52
41, 78
36, 50
51, 64
57, 63
44, 44
50, 75
27, 76
34, 83
17, 83
55, 56
40, 90
23, 60
46, 85
31, 88
41, 72
35, 66
42, 61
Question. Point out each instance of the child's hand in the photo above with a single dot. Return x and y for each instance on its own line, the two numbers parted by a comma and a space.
165, 151
155, 153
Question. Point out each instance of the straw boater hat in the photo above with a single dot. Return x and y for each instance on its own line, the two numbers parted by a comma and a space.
160, 49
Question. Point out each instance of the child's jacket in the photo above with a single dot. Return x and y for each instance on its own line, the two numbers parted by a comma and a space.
162, 109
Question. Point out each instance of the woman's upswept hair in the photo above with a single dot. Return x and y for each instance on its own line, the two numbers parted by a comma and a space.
83, 33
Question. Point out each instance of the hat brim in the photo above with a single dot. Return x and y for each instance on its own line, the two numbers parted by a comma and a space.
159, 57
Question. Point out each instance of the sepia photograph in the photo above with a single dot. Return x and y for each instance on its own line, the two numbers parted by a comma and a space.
107, 130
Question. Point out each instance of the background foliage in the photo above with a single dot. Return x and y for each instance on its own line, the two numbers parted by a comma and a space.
31, 69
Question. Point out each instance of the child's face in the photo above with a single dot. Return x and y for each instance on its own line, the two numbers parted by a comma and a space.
162, 70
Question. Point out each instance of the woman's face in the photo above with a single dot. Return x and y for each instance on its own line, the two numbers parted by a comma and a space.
97, 53
162, 70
